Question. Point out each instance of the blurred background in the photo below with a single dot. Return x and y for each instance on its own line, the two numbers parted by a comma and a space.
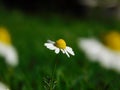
32, 22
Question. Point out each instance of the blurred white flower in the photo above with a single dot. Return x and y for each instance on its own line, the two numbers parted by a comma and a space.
7, 50
9, 53
3, 86
59, 45
98, 52
90, 3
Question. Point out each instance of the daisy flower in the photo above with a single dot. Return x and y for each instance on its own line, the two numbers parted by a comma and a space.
7, 50
108, 54
59, 45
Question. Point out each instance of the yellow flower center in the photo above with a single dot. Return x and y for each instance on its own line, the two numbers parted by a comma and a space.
60, 44
4, 36
112, 40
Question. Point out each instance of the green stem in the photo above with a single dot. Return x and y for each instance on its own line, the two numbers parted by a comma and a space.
53, 72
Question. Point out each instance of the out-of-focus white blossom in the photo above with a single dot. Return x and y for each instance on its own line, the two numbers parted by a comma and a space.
9, 53
90, 3
98, 52
7, 50
3, 86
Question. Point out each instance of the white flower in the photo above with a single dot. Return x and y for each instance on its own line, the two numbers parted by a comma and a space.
59, 45
97, 52
6, 48
9, 53
3, 86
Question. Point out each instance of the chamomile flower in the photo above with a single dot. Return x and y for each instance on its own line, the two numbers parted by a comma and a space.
59, 45
7, 50
108, 54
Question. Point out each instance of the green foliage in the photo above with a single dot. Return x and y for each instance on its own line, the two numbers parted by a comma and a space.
29, 33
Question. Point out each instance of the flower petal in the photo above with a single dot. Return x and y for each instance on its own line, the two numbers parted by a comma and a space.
69, 50
57, 50
91, 47
49, 41
105, 57
50, 46
3, 49
11, 56
3, 86
100, 53
62, 50
67, 53
116, 63
9, 53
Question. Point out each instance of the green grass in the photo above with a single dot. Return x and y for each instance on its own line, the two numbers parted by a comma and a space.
29, 33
